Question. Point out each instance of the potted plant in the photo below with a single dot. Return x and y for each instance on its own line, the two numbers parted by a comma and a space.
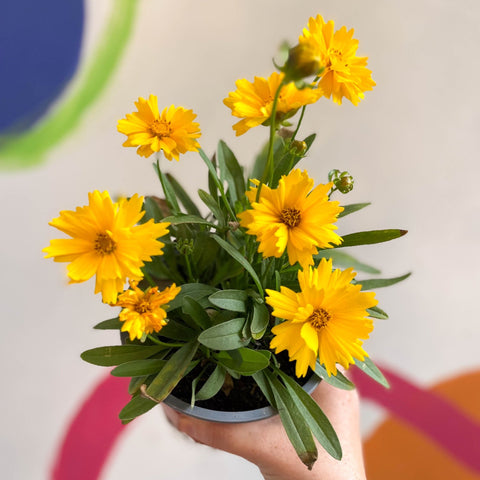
244, 308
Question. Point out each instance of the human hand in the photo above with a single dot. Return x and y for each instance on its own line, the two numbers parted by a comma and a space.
266, 444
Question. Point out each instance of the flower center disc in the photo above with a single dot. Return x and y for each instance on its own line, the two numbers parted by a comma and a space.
290, 217
319, 318
104, 245
142, 307
160, 128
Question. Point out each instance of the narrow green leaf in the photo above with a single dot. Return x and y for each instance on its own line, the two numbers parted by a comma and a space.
138, 367
260, 319
198, 314
213, 206
233, 300
213, 384
197, 291
261, 159
295, 425
177, 331
241, 260
376, 312
250, 361
111, 324
370, 237
137, 406
354, 207
224, 336
183, 196
344, 260
339, 380
262, 382
181, 218
231, 172
368, 367
172, 372
317, 421
136, 383
168, 190
152, 210
117, 354
373, 283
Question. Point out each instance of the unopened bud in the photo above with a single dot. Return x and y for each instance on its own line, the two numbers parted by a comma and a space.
298, 148
342, 181
302, 62
185, 246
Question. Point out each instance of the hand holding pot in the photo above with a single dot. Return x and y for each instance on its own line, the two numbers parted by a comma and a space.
265, 442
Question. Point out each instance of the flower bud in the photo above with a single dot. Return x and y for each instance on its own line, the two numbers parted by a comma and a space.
342, 181
185, 246
298, 148
302, 62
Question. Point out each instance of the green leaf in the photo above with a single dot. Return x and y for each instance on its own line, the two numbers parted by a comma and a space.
317, 421
339, 380
241, 260
213, 206
224, 336
376, 312
233, 300
373, 283
137, 368
260, 319
231, 172
115, 355
198, 314
172, 372
343, 260
213, 384
197, 291
368, 367
183, 196
261, 160
111, 324
295, 425
168, 190
250, 361
152, 210
136, 383
177, 331
370, 237
261, 380
181, 218
354, 207
137, 406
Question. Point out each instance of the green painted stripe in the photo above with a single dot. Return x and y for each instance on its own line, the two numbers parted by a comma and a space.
31, 147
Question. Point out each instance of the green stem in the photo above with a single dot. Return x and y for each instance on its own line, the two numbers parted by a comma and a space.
268, 172
218, 183
163, 344
302, 113
149, 279
189, 268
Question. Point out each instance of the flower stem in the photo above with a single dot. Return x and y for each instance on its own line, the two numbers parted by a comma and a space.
163, 344
302, 113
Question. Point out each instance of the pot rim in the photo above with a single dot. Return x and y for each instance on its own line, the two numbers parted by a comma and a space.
231, 417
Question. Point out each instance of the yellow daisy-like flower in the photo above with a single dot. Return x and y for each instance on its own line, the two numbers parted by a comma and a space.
326, 320
172, 131
345, 74
292, 217
144, 312
106, 242
253, 101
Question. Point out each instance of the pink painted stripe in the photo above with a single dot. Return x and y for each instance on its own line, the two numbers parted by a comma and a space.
92, 433
427, 412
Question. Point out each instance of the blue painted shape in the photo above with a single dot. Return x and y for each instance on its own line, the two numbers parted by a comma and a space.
40, 44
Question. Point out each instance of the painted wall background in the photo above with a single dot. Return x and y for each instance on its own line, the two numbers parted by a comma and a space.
71, 69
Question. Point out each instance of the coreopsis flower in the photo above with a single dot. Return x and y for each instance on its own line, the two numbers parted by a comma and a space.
327, 320
344, 74
173, 131
106, 242
144, 312
253, 101
292, 217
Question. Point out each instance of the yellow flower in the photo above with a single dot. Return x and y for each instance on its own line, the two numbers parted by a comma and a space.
292, 217
106, 242
142, 311
253, 101
172, 131
326, 320
345, 74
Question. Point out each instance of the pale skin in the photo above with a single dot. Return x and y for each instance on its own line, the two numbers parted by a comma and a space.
265, 443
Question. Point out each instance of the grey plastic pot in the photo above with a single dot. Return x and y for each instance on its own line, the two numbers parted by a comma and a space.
231, 417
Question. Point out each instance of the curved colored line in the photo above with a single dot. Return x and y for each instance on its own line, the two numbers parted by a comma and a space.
31, 147
428, 413
92, 433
